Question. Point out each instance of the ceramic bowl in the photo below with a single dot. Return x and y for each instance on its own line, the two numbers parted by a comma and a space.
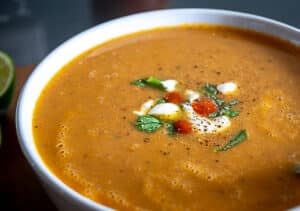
63, 196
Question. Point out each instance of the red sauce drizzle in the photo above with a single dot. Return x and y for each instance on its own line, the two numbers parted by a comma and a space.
183, 126
204, 106
173, 97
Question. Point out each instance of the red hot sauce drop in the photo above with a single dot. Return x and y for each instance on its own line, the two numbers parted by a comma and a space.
183, 126
204, 106
173, 97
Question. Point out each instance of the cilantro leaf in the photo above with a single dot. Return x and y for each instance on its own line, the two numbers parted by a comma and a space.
211, 91
226, 109
150, 81
239, 138
154, 82
140, 82
214, 115
171, 129
147, 123
160, 100
219, 102
234, 102
232, 114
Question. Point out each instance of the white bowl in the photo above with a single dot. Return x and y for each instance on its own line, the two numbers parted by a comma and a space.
64, 197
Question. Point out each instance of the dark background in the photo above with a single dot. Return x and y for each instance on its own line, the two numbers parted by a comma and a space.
29, 29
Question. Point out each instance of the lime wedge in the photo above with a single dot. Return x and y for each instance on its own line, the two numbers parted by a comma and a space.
7, 79
0, 135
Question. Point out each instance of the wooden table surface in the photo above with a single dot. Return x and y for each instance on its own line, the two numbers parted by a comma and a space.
19, 186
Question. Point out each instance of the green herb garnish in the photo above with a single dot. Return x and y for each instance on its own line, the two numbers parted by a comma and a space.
214, 115
219, 102
170, 129
211, 91
161, 100
234, 102
147, 123
233, 114
139, 82
239, 138
150, 81
226, 109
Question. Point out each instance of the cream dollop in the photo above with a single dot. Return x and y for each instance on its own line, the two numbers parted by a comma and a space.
191, 95
169, 85
166, 111
202, 124
227, 88
145, 108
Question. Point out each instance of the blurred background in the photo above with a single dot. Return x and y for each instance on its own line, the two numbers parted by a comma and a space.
29, 29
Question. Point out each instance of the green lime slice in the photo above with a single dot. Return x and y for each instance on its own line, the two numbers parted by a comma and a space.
7, 80
0, 135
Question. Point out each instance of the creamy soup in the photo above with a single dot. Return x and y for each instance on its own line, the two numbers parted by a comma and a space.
193, 117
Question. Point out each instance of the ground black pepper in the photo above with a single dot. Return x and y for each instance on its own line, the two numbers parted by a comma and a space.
164, 152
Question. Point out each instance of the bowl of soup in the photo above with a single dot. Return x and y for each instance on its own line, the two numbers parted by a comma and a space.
185, 109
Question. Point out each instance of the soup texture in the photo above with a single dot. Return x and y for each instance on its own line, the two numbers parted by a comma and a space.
221, 130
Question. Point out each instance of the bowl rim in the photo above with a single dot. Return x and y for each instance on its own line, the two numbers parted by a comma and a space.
40, 168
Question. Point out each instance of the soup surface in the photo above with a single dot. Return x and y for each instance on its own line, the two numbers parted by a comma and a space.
87, 133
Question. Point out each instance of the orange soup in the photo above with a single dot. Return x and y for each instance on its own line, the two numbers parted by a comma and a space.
193, 117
